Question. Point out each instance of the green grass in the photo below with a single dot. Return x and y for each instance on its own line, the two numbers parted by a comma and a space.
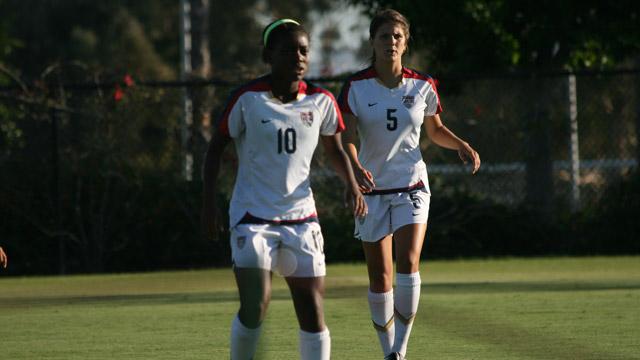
556, 308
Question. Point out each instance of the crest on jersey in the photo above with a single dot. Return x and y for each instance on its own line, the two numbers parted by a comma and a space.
307, 117
408, 101
241, 240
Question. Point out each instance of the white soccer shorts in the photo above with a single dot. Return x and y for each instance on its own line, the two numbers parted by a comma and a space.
388, 212
291, 250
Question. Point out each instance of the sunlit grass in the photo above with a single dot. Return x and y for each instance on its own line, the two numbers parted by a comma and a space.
556, 308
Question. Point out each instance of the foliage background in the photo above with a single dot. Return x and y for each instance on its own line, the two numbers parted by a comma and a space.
95, 165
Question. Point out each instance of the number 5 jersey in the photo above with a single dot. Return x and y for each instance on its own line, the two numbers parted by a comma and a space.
389, 122
275, 143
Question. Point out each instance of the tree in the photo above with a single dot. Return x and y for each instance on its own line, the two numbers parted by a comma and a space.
103, 35
483, 36
470, 36
122, 204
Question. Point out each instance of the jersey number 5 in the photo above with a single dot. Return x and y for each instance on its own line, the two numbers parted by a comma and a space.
287, 141
392, 120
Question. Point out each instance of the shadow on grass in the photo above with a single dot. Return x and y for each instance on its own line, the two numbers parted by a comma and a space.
332, 292
523, 342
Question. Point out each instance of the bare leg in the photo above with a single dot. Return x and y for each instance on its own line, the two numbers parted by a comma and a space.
254, 287
379, 264
307, 294
408, 243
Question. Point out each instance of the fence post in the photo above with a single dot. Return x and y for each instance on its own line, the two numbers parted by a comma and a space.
55, 189
637, 78
201, 96
187, 103
539, 171
574, 149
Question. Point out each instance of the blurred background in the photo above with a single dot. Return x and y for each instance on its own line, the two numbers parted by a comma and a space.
106, 109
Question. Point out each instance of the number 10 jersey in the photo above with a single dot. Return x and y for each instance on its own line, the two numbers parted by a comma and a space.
275, 143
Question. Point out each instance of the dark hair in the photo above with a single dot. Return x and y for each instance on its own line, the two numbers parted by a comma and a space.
278, 33
388, 16
385, 17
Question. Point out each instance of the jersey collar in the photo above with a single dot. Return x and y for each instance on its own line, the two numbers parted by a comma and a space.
403, 81
302, 91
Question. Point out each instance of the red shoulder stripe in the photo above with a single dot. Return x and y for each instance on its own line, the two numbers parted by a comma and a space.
312, 89
412, 74
258, 85
343, 98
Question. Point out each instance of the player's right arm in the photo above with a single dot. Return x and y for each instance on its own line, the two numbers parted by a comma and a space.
350, 137
211, 169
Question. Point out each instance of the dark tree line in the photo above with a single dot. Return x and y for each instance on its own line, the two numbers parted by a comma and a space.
102, 176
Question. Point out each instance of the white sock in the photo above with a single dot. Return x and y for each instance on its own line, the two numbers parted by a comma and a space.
244, 341
315, 346
381, 306
407, 296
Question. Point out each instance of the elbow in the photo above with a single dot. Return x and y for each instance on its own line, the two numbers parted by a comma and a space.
437, 133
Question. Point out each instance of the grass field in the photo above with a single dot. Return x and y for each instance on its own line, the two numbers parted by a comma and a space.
556, 308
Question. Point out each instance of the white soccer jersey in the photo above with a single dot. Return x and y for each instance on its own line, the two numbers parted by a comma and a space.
275, 143
389, 122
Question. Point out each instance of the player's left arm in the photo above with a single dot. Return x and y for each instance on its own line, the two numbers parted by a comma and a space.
211, 169
442, 136
3, 258
338, 157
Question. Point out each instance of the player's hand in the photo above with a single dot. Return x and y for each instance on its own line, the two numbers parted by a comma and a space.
364, 179
355, 199
3, 258
210, 222
468, 155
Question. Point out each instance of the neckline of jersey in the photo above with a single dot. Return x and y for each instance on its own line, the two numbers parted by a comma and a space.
302, 91
403, 81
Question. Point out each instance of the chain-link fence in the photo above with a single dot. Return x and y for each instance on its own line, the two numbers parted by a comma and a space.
95, 166
522, 128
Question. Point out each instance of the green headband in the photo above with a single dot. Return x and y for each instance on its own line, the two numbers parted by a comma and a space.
274, 25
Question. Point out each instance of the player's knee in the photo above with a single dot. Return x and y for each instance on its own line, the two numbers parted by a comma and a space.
381, 282
408, 264
253, 312
311, 298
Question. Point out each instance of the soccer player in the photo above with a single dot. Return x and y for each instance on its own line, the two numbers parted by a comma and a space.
3, 258
275, 122
385, 105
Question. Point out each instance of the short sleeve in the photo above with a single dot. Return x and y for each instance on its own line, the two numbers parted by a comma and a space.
432, 100
231, 122
332, 122
346, 100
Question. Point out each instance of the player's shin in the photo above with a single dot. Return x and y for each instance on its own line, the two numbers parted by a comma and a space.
381, 307
407, 297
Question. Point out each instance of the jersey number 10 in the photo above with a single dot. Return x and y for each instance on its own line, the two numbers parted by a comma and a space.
287, 141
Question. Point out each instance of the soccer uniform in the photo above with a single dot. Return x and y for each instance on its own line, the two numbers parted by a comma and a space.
272, 210
389, 122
